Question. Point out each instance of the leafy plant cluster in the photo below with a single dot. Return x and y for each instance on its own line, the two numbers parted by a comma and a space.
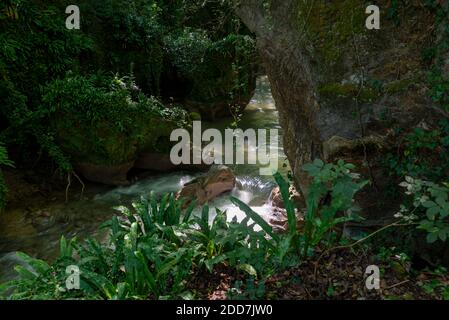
221, 69
436, 286
155, 249
337, 184
422, 163
429, 208
101, 120
422, 157
38, 55
152, 252
424, 154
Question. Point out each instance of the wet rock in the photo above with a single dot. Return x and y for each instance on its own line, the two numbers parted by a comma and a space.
278, 217
276, 201
278, 220
115, 175
217, 181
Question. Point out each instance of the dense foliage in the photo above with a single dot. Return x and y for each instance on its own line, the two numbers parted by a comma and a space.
136, 70
41, 61
106, 121
155, 249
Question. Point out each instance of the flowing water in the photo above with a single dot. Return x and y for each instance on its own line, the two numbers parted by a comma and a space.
36, 231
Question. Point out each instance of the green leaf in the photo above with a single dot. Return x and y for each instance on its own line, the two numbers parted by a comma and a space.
149, 278
442, 235
24, 273
204, 221
284, 247
429, 204
318, 163
289, 206
432, 212
432, 237
39, 266
255, 217
248, 269
189, 211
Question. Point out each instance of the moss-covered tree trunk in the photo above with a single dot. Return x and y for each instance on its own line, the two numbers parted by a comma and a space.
288, 66
339, 87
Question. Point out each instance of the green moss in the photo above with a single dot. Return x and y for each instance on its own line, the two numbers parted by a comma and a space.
350, 90
195, 116
398, 86
101, 126
331, 27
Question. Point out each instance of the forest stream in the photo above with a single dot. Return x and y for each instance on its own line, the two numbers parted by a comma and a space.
36, 231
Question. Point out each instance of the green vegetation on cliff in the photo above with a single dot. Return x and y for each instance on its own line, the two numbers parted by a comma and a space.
52, 98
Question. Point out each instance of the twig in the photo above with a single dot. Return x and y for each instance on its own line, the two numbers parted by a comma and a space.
308, 293
83, 186
69, 183
350, 246
397, 284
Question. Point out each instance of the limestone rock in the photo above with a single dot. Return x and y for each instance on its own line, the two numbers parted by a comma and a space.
217, 181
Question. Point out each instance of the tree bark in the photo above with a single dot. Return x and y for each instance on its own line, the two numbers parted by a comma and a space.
288, 67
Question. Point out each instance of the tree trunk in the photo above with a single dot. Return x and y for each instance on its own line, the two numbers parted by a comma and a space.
321, 60
288, 67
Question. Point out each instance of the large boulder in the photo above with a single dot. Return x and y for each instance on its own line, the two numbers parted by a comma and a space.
218, 180
114, 175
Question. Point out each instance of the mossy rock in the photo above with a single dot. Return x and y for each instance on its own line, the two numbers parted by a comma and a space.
398, 86
105, 127
331, 28
348, 90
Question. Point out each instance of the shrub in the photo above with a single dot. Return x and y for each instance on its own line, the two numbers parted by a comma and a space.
424, 154
330, 202
429, 207
155, 249
217, 70
151, 253
97, 121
